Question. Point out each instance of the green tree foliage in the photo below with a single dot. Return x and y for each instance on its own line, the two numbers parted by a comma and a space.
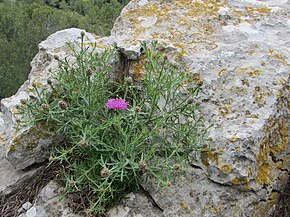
24, 23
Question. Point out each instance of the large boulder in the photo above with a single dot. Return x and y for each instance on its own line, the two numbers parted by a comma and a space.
239, 51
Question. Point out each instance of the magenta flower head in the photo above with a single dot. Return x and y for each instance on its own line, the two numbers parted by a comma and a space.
116, 103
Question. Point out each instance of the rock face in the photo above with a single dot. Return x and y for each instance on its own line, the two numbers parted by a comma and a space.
48, 203
240, 51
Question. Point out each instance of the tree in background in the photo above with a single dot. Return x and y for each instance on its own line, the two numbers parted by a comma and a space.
24, 23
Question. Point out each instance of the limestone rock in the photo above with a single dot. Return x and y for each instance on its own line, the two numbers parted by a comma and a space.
49, 203
10, 178
239, 51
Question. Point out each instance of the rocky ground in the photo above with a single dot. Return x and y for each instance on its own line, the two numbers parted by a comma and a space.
239, 50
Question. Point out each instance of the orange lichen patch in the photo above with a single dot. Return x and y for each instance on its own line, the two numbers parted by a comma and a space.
155, 35
282, 81
181, 46
2, 139
226, 168
30, 138
11, 148
240, 181
248, 70
96, 37
233, 138
189, 14
271, 51
264, 174
207, 155
253, 9
183, 204
224, 110
238, 90
278, 55
259, 96
273, 196
213, 207
223, 69
182, 1
206, 7
211, 46
271, 148
139, 30
138, 68
149, 10
37, 83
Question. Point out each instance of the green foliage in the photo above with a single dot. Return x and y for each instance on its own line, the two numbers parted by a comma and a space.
111, 151
24, 23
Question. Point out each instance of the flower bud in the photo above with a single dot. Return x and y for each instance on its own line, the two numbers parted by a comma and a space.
105, 172
34, 84
130, 80
199, 83
49, 81
82, 33
56, 57
89, 72
177, 166
32, 97
142, 166
138, 108
62, 104
23, 101
44, 106
72, 182
83, 143
190, 100
60, 190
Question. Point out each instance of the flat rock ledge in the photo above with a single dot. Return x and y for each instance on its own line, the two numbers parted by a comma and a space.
240, 51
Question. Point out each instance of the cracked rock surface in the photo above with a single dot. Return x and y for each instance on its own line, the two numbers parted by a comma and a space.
240, 52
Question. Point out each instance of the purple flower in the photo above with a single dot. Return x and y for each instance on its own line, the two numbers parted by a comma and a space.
116, 103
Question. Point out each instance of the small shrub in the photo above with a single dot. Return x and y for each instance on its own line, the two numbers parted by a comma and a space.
119, 132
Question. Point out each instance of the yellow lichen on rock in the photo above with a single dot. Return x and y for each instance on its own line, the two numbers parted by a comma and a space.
272, 146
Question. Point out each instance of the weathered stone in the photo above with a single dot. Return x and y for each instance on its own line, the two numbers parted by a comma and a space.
26, 205
31, 212
50, 203
239, 50
10, 179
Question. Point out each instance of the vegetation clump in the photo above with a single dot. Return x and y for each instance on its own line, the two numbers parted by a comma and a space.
118, 133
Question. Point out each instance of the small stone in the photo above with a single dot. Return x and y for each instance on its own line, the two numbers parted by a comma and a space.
27, 205
31, 212
20, 210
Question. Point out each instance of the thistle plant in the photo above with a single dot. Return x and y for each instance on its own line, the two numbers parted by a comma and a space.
117, 134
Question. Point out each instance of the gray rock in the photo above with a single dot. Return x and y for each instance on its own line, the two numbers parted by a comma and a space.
10, 178
240, 50
49, 203
27, 205
31, 212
